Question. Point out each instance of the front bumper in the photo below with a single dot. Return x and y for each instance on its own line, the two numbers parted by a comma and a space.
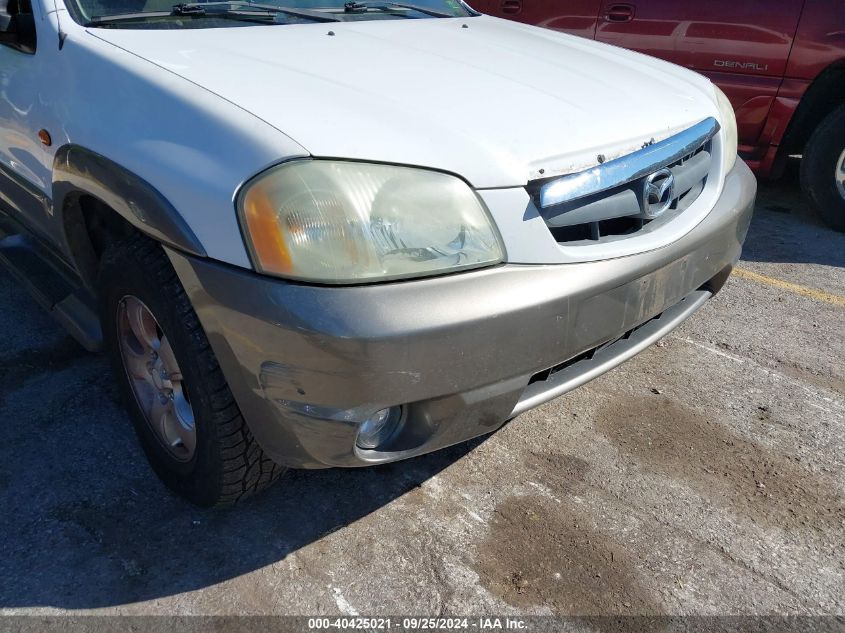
308, 364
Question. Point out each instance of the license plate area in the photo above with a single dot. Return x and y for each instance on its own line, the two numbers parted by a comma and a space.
605, 317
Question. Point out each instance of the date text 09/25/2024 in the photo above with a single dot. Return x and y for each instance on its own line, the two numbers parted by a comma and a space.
416, 623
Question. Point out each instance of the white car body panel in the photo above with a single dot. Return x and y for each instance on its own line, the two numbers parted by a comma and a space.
495, 102
150, 121
20, 150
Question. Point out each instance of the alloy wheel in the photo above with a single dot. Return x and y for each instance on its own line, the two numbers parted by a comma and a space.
840, 174
156, 378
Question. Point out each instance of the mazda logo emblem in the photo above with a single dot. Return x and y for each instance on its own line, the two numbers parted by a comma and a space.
658, 193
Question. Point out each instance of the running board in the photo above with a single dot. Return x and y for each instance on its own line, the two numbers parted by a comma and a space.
35, 268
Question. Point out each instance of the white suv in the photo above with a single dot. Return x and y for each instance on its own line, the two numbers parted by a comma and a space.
331, 234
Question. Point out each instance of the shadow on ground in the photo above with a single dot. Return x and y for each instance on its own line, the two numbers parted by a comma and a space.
86, 524
786, 230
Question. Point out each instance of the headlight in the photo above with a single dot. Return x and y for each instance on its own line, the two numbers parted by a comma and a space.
345, 222
727, 119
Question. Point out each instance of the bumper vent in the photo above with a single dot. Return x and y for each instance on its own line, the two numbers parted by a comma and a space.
630, 195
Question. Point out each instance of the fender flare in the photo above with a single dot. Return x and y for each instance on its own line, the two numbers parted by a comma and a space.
77, 170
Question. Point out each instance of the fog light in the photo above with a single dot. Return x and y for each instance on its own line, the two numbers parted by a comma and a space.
379, 428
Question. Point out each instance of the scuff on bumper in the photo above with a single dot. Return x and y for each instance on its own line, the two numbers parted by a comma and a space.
307, 364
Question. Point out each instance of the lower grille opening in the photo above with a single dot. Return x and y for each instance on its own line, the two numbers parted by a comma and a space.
566, 376
544, 375
547, 374
596, 230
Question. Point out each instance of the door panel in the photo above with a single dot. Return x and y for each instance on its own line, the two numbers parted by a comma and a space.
25, 163
750, 37
578, 17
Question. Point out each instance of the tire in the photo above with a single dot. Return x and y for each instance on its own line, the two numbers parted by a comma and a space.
220, 462
823, 158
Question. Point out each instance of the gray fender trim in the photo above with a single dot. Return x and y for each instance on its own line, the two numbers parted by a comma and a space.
79, 170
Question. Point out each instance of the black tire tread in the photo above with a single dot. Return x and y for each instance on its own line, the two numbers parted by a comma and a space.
246, 468
815, 181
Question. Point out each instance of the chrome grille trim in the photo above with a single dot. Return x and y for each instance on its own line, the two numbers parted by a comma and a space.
627, 201
627, 168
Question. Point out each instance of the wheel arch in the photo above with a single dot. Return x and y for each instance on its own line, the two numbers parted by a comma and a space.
825, 94
96, 199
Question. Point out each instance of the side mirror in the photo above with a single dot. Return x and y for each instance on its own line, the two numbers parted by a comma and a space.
17, 29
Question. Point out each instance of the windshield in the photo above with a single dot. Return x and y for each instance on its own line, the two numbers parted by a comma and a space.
167, 14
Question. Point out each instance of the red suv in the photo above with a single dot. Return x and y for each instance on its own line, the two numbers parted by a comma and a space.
781, 63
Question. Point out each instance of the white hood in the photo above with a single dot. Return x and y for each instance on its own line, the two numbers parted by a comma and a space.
495, 102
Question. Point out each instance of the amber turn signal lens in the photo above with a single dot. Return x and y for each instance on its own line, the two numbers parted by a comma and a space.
263, 224
45, 138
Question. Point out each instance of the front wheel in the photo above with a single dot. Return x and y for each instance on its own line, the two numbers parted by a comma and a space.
823, 169
184, 414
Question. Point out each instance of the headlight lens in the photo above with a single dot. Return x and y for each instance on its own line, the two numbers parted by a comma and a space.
727, 118
346, 222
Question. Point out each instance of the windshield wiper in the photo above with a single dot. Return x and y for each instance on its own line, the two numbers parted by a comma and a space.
248, 11
355, 7
271, 8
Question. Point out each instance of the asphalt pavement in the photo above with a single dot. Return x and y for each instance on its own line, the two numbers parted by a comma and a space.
706, 476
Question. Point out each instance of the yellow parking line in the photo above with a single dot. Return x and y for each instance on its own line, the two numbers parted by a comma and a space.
812, 293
